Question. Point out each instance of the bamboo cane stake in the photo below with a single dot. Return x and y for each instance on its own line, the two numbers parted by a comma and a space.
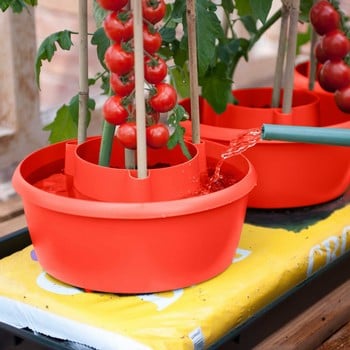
192, 53
291, 54
83, 71
129, 154
281, 52
313, 61
141, 150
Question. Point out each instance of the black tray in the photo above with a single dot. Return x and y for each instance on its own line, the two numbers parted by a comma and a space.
245, 336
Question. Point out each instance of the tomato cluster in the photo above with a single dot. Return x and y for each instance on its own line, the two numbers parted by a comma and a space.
331, 51
119, 59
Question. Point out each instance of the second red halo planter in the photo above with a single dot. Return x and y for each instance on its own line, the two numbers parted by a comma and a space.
290, 174
330, 114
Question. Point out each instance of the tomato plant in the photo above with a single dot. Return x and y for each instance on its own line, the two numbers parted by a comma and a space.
155, 69
114, 110
153, 11
334, 75
119, 58
112, 5
324, 17
219, 48
157, 135
342, 99
335, 45
164, 98
126, 134
118, 26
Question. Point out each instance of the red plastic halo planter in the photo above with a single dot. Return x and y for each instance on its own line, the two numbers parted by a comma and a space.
290, 174
133, 247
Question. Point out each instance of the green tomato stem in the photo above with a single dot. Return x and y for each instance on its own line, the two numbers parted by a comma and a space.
106, 144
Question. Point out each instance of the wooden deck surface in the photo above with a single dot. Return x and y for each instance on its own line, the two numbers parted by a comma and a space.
11, 216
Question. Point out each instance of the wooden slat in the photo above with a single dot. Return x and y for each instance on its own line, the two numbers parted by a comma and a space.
10, 208
12, 225
313, 326
338, 341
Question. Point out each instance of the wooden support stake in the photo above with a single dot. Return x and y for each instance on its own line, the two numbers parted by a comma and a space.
291, 54
83, 71
281, 53
192, 52
139, 91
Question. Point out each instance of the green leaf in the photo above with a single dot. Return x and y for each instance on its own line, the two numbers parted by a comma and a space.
180, 80
243, 8
63, 126
177, 137
228, 5
179, 9
74, 108
168, 34
216, 88
249, 24
180, 54
100, 40
48, 48
303, 38
17, 6
260, 9
208, 27
305, 6
99, 14
232, 50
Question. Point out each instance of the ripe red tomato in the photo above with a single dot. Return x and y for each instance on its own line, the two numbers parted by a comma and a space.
335, 45
319, 52
126, 134
119, 58
164, 99
324, 17
119, 26
152, 40
122, 85
153, 11
112, 5
114, 110
342, 99
156, 69
157, 135
334, 75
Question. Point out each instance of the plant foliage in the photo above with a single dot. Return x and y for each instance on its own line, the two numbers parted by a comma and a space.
219, 49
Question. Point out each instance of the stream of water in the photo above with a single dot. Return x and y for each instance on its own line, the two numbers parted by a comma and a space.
236, 146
